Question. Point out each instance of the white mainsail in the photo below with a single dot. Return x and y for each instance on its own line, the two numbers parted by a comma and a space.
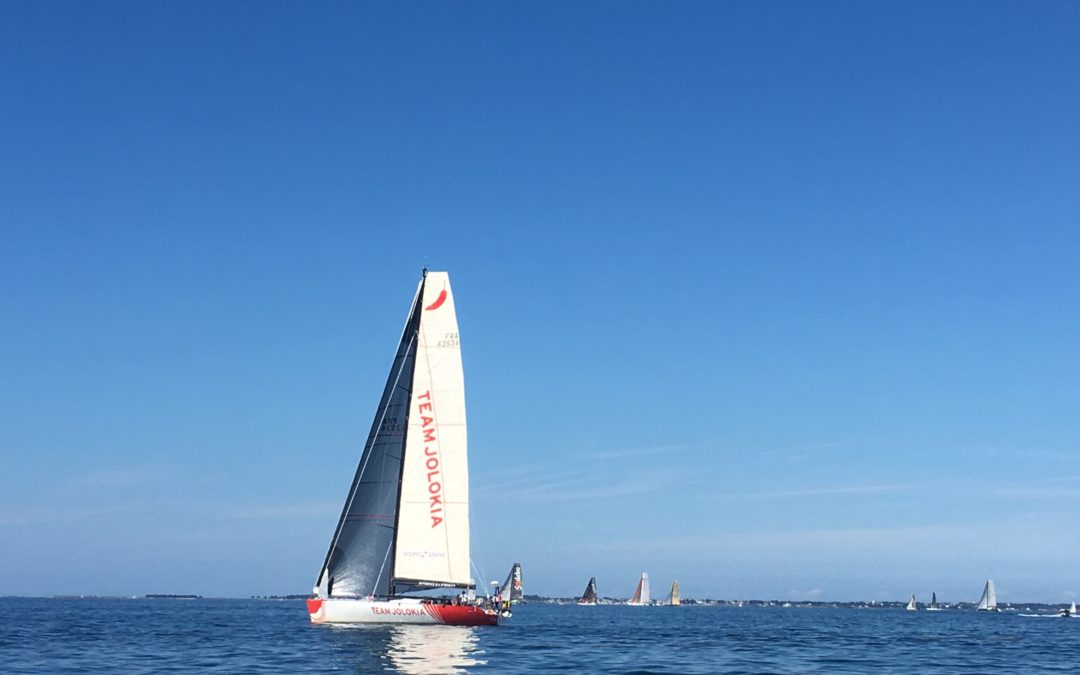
911, 605
433, 513
1072, 610
988, 601
674, 598
641, 592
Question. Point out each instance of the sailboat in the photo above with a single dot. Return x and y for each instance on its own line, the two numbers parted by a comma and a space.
988, 601
1072, 610
673, 597
589, 596
641, 593
933, 604
512, 591
911, 605
404, 527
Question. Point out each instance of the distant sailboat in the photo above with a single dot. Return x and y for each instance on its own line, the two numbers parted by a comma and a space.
673, 597
641, 593
512, 591
589, 596
405, 524
1072, 610
911, 605
988, 601
933, 604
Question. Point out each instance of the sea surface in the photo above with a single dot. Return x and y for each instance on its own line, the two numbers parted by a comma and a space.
261, 636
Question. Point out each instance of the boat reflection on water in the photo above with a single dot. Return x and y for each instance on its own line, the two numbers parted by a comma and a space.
433, 649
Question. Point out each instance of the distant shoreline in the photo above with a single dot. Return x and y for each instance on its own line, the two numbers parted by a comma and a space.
686, 602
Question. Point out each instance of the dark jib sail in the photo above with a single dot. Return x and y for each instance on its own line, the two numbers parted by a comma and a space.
361, 554
512, 590
589, 596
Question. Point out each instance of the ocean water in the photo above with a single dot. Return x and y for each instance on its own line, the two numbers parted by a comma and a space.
252, 636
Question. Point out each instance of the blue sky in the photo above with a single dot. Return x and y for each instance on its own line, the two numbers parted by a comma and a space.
777, 298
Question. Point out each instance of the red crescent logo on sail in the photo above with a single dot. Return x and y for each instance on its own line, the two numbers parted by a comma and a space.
438, 301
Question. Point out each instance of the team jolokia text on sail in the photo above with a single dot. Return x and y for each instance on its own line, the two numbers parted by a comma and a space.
405, 524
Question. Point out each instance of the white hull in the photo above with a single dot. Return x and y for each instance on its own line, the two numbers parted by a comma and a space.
397, 610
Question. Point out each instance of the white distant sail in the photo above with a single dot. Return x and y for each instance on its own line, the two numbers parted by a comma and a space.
641, 592
988, 601
1072, 610
673, 598
911, 605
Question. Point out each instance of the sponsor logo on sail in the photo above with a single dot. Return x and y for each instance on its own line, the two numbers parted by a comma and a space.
438, 301
431, 455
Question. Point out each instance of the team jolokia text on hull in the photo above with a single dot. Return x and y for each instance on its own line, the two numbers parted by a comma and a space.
405, 524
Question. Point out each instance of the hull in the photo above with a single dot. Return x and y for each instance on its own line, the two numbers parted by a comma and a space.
398, 610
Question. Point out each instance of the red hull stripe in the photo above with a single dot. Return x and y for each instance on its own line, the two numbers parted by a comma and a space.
464, 615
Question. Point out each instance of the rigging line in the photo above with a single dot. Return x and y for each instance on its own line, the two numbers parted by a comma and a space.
390, 582
487, 593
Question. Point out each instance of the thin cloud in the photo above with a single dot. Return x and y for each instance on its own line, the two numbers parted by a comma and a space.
528, 483
809, 448
1061, 479
605, 455
815, 492
17, 517
283, 511
1037, 538
586, 488
120, 477
1039, 493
